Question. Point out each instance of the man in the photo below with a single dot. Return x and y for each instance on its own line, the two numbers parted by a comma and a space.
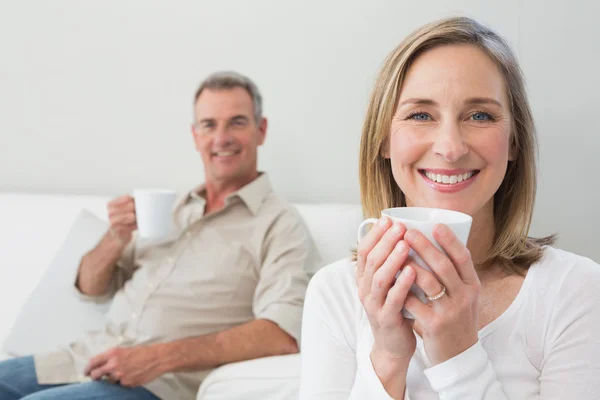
228, 287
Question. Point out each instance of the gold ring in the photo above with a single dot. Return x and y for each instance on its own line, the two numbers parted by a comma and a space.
437, 296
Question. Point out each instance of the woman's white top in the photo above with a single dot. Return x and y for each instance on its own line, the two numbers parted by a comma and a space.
546, 345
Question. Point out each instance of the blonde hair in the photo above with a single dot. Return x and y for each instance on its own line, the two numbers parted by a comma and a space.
514, 200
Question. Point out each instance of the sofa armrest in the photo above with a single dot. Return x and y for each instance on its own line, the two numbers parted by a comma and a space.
274, 378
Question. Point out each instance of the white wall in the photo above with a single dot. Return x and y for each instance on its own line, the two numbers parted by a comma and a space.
95, 96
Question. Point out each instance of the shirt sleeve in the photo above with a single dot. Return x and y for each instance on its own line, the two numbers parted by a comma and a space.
571, 365
279, 294
123, 272
330, 367
571, 362
468, 376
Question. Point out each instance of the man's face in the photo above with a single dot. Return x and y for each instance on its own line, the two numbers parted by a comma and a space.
227, 135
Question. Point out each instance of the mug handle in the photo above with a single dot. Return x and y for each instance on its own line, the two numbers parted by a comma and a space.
361, 228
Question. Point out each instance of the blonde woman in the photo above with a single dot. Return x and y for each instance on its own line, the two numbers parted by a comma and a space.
449, 126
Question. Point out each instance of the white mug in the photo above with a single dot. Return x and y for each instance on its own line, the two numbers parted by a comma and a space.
423, 219
154, 212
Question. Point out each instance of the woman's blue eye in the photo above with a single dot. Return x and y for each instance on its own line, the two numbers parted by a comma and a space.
482, 116
420, 117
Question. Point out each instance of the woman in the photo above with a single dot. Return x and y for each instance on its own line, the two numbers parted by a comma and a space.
449, 126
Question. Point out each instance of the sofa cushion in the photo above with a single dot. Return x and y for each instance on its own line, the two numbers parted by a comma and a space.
275, 377
333, 228
32, 229
54, 315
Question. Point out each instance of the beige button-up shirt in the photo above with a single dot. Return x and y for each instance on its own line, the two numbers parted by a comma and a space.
245, 262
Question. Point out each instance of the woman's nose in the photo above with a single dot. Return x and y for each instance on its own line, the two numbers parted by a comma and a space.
450, 143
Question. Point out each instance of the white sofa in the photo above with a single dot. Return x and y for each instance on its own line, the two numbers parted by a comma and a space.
33, 227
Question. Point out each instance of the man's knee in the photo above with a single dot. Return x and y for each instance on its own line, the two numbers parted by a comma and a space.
8, 392
17, 378
42, 395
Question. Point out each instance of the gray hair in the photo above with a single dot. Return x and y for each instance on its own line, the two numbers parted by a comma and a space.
229, 80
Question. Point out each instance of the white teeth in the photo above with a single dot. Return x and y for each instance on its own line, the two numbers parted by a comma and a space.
225, 153
449, 179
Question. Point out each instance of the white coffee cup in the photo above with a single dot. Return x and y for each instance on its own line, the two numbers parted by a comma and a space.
154, 212
424, 219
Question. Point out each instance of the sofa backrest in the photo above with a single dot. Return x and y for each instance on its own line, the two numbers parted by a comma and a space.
333, 228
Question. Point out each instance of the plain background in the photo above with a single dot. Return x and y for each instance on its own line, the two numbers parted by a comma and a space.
96, 96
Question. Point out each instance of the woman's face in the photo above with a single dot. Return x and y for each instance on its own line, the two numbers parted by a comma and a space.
450, 135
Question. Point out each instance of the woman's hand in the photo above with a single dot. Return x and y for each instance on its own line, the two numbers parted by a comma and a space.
447, 325
381, 254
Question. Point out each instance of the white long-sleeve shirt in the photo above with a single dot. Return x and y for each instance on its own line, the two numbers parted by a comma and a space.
545, 346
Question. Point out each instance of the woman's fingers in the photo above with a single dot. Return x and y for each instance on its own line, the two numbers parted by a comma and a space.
439, 263
383, 279
367, 243
396, 296
457, 252
426, 280
378, 254
419, 310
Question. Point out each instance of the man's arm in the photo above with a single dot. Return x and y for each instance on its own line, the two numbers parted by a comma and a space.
259, 338
136, 366
98, 266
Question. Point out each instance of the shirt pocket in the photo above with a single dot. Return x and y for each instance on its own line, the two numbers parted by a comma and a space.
215, 270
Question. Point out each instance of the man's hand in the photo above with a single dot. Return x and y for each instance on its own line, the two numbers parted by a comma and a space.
122, 218
131, 367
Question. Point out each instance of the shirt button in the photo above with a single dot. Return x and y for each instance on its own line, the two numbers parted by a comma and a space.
121, 339
170, 260
150, 286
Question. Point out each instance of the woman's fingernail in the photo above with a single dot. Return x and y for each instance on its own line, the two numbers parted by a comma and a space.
407, 271
442, 230
396, 228
401, 246
382, 221
410, 235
